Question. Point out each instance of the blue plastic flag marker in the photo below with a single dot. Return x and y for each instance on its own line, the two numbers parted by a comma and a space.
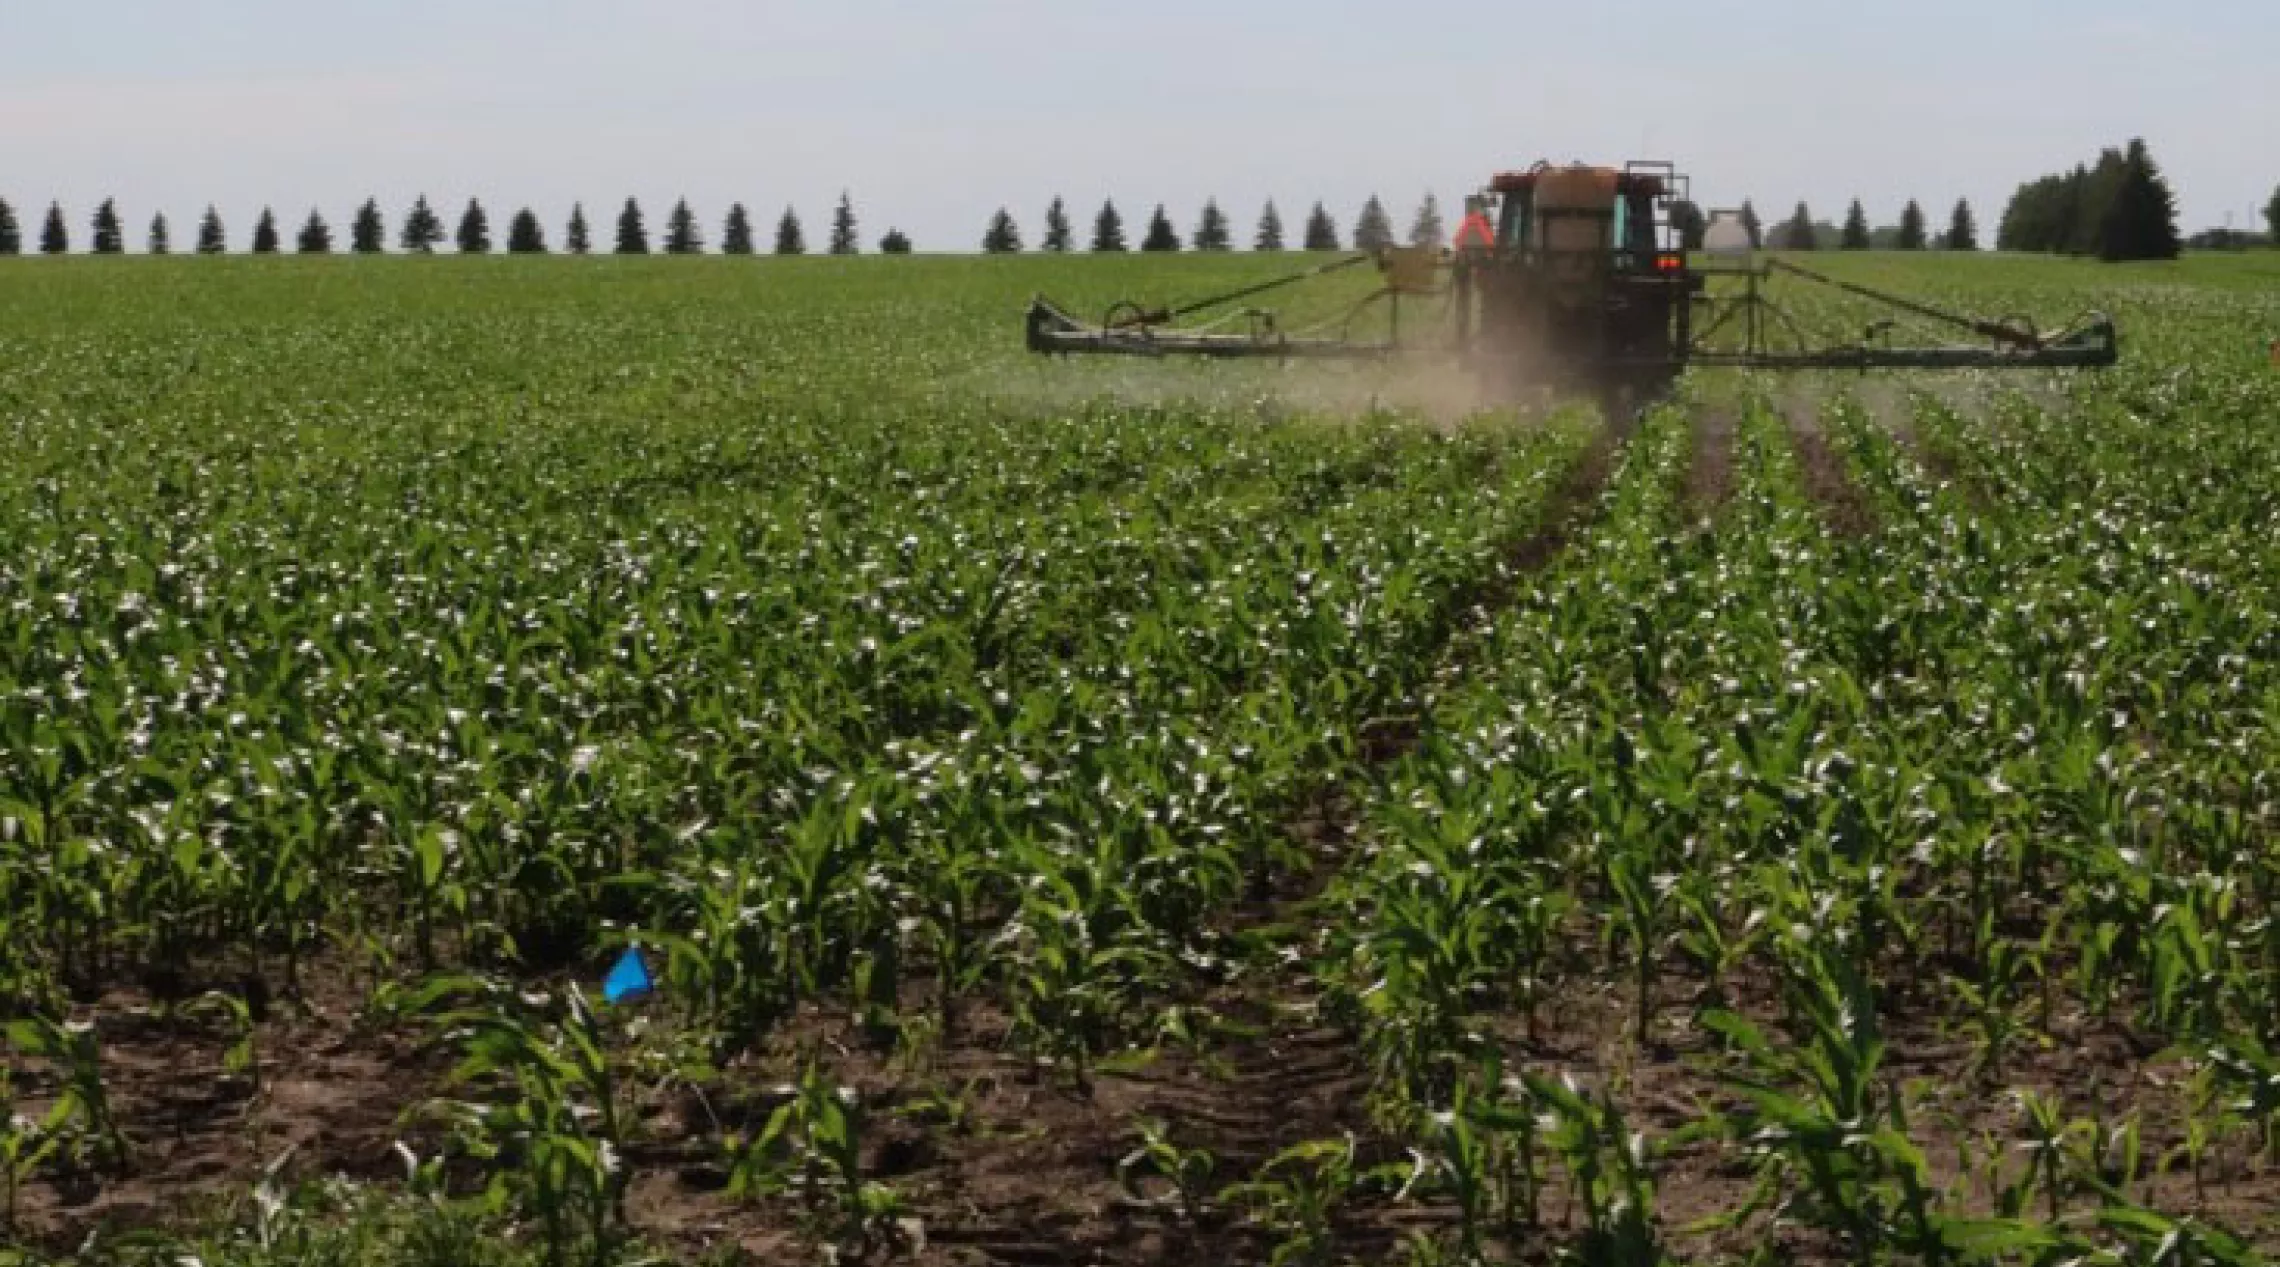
629, 979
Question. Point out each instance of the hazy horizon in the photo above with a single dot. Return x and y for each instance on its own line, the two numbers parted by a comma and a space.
932, 119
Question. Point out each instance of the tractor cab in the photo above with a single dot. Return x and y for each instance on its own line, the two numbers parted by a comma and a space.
1579, 211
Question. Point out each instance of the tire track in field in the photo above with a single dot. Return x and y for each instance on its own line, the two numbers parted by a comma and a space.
1844, 508
1710, 473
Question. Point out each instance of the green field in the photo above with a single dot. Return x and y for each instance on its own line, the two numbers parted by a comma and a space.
1121, 813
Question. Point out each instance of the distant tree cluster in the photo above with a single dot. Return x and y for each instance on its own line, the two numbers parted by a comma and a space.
2120, 208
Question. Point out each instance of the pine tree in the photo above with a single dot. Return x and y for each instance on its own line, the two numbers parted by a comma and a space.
1321, 230
1427, 229
2141, 221
1856, 236
474, 236
1963, 228
736, 235
895, 243
1752, 224
576, 239
1688, 222
1108, 229
1270, 234
316, 235
1799, 234
109, 238
524, 236
423, 228
1003, 236
54, 238
1058, 238
1161, 236
681, 234
843, 240
1373, 229
1211, 228
265, 236
211, 240
1913, 236
368, 235
632, 235
790, 240
161, 238
11, 233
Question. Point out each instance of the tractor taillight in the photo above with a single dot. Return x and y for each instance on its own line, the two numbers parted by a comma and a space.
1670, 263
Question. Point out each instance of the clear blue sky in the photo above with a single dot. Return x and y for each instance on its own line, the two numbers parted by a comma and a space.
935, 113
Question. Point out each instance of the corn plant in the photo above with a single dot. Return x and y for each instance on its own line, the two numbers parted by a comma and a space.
557, 1137
812, 1147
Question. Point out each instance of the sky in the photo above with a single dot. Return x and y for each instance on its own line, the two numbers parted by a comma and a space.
932, 114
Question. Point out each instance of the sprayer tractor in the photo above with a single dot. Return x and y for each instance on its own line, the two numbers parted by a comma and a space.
1580, 279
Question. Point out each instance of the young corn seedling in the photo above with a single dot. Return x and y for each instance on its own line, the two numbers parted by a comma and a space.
812, 1147
1611, 1172
1186, 1170
79, 1128
557, 1139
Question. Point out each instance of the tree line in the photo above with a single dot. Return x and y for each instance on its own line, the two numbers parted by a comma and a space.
421, 231
1914, 232
2118, 208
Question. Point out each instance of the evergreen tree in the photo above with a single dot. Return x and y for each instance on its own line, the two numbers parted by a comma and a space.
736, 235
681, 234
210, 237
1108, 229
1321, 230
161, 238
1427, 228
790, 240
423, 228
368, 235
265, 236
524, 236
576, 239
843, 240
1755, 226
54, 239
11, 233
632, 235
1856, 236
1913, 235
316, 235
1058, 238
2140, 223
2271, 217
895, 243
1270, 234
1211, 228
1161, 236
474, 235
1373, 231
1003, 236
1690, 224
1799, 234
110, 239
1963, 228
